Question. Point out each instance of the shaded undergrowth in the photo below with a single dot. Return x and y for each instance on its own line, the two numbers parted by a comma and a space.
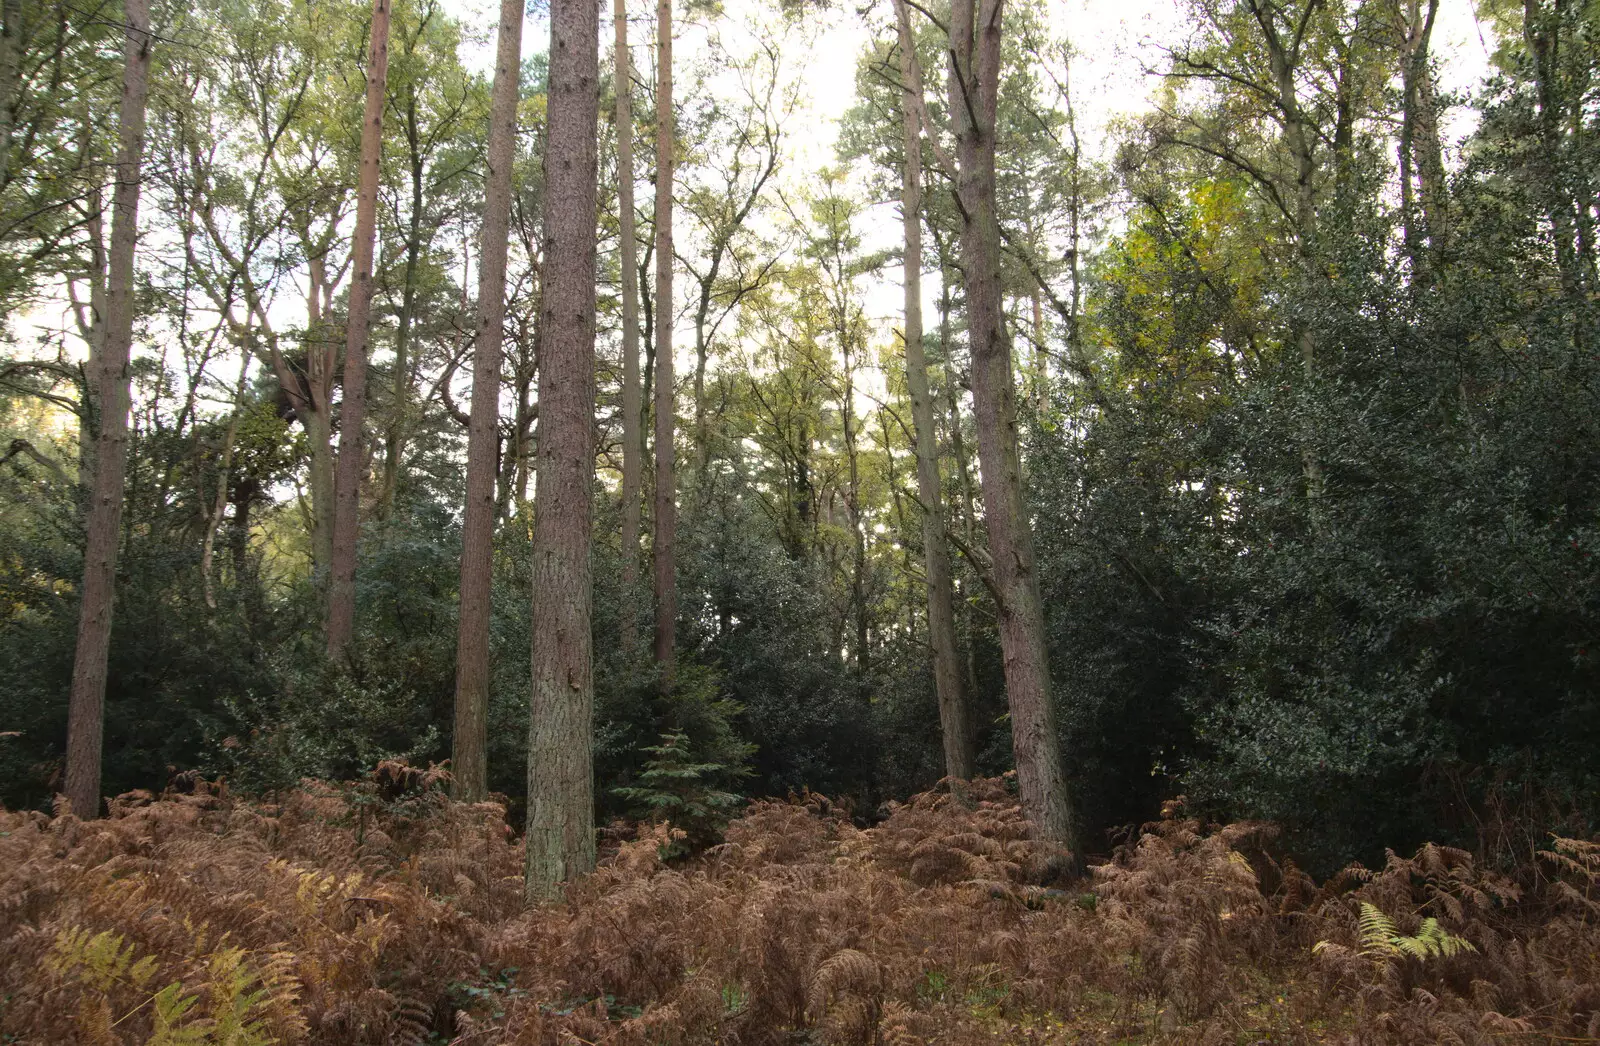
383, 913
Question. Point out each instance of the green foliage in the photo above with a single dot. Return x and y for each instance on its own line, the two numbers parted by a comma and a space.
673, 789
100, 960
1381, 940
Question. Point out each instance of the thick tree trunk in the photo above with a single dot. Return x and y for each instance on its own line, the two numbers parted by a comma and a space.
468, 759
975, 81
560, 836
352, 415
632, 417
954, 721
86, 708
666, 503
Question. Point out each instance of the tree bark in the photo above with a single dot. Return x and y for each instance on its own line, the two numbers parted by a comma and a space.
974, 93
86, 708
1284, 59
469, 742
208, 547
632, 416
954, 721
352, 415
560, 837
1542, 35
400, 380
1421, 155
666, 503
10, 57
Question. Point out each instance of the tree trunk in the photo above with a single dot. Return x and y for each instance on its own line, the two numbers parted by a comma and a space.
974, 93
469, 742
958, 452
1041, 355
632, 417
92, 327
1298, 137
10, 58
208, 547
86, 708
560, 838
347, 481
954, 722
400, 382
858, 533
1420, 153
1542, 35
666, 513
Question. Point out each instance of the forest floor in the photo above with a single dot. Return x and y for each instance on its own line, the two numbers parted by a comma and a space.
353, 915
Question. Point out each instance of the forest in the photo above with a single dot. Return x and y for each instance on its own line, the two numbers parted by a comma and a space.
799, 521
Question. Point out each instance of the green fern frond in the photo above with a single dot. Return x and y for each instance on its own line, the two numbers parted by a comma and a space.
100, 960
1381, 940
171, 1006
1378, 933
237, 995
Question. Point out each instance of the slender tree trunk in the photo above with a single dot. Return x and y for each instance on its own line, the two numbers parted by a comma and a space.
1298, 136
468, 758
958, 452
1041, 355
10, 57
954, 721
208, 547
352, 415
1542, 34
975, 81
319, 434
561, 739
94, 334
1420, 153
1430, 161
400, 383
86, 708
666, 513
858, 533
632, 417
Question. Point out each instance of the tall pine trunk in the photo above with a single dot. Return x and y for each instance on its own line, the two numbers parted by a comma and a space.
86, 707
400, 381
352, 415
974, 94
469, 761
666, 514
560, 837
954, 722
632, 436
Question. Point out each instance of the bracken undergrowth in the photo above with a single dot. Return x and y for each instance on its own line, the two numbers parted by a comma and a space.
383, 913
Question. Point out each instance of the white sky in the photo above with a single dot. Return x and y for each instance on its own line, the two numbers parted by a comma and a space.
1117, 39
